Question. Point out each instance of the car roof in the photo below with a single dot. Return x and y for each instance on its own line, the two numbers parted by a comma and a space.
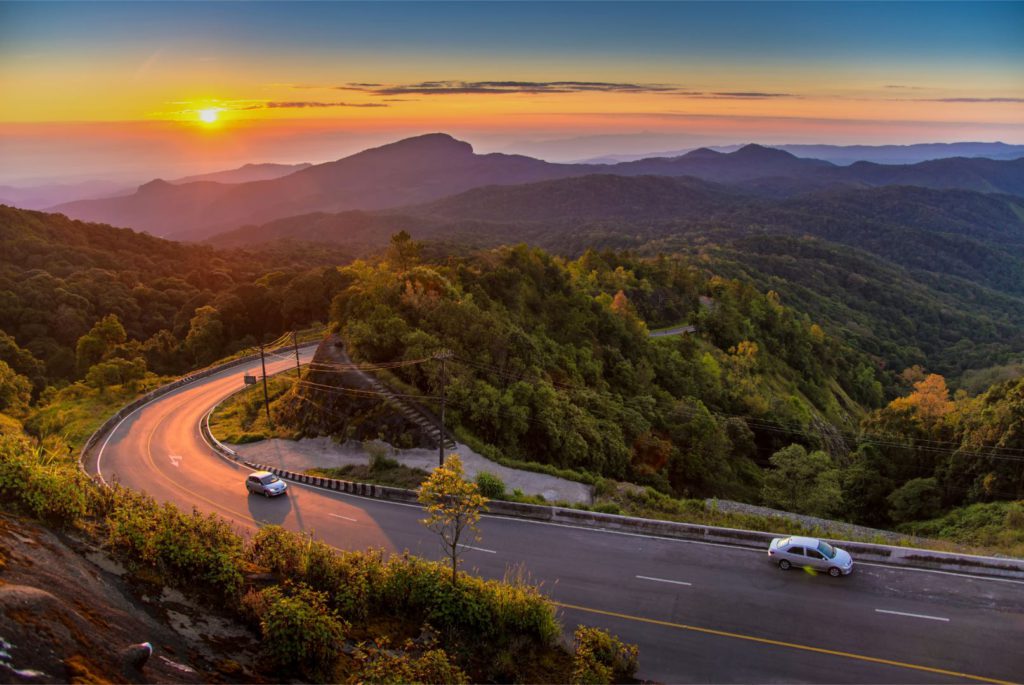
803, 542
260, 473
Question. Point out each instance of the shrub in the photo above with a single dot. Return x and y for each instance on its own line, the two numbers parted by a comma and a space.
917, 499
490, 485
300, 632
379, 664
602, 658
380, 460
50, 490
183, 548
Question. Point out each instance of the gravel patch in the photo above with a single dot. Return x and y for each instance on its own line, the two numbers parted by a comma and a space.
322, 452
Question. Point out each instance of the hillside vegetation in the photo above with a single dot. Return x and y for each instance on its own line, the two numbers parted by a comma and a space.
551, 363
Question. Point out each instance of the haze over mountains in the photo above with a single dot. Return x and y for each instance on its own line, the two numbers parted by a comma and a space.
848, 154
427, 168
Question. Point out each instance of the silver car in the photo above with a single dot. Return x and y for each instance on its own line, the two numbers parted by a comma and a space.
810, 553
265, 483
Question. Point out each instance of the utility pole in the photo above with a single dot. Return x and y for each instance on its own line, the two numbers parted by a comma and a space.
442, 356
295, 344
266, 395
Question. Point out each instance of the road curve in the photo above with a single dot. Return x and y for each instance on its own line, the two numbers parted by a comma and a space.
699, 612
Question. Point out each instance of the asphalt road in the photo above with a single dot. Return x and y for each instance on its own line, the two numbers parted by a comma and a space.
699, 612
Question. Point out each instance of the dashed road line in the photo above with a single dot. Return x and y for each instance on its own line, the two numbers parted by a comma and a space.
347, 518
902, 613
478, 549
665, 580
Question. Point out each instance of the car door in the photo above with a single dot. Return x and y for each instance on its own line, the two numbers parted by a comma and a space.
816, 560
795, 554
253, 484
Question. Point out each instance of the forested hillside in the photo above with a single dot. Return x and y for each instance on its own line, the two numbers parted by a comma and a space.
176, 306
553, 363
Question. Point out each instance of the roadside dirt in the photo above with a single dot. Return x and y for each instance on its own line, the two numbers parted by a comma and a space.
69, 614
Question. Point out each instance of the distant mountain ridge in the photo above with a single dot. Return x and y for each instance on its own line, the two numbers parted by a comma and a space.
427, 168
844, 155
246, 173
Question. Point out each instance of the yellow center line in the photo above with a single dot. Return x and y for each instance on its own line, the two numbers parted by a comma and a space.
779, 643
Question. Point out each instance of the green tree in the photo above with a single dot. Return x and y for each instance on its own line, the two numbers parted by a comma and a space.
15, 391
116, 371
453, 508
403, 252
802, 482
205, 335
99, 342
917, 499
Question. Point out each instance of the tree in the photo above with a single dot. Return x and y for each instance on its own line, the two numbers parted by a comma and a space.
453, 506
802, 482
15, 391
404, 252
917, 499
205, 335
99, 342
929, 401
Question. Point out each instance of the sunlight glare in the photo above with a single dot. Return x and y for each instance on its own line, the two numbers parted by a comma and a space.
208, 116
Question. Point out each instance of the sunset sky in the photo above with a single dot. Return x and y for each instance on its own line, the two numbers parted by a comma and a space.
121, 90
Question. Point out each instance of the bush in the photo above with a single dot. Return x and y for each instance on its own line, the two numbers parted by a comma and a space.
917, 499
52, 491
379, 664
380, 460
183, 548
490, 485
300, 632
601, 658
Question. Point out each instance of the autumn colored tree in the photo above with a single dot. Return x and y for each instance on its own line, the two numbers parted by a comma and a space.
929, 401
453, 507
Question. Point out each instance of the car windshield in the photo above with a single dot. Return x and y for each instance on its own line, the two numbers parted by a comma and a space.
268, 479
828, 550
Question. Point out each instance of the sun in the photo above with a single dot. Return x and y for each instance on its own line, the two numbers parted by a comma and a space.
208, 116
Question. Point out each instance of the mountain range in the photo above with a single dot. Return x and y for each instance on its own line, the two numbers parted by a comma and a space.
848, 154
427, 168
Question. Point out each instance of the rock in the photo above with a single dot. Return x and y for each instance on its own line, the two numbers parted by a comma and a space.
136, 656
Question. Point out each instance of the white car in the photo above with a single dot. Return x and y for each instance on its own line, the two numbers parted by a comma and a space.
810, 553
265, 483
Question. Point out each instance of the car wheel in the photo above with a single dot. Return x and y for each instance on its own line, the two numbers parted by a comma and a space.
784, 564
834, 572
266, 494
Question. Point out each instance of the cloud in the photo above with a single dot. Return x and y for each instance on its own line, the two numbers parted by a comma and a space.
896, 86
303, 104
745, 95
974, 100
506, 87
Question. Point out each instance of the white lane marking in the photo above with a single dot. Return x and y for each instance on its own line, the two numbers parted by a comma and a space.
175, 459
664, 580
478, 549
659, 537
656, 537
339, 516
901, 613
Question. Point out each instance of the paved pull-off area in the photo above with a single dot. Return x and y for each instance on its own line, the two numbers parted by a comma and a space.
311, 453
700, 612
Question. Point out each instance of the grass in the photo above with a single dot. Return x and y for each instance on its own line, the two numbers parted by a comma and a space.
398, 476
76, 411
241, 418
994, 526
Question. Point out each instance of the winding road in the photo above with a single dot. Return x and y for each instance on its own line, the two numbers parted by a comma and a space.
699, 612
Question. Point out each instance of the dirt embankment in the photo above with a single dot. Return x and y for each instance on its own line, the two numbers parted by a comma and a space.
69, 614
